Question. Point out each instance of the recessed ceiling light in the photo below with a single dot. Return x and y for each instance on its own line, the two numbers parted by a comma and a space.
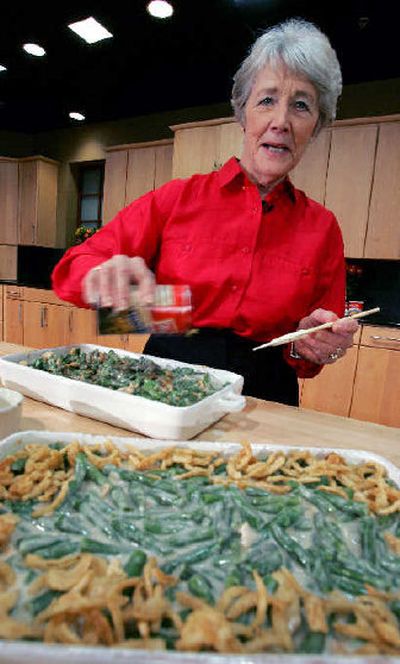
90, 30
76, 116
3, 68
160, 8
34, 49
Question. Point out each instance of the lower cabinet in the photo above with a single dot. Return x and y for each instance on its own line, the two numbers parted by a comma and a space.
377, 382
37, 318
364, 384
331, 391
45, 325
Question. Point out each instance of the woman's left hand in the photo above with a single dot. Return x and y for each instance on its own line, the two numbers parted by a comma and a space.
325, 346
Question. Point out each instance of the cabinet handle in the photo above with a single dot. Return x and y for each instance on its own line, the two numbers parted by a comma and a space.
44, 316
41, 317
33, 234
377, 337
20, 313
70, 323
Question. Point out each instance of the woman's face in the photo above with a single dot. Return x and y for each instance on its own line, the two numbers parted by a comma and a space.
280, 117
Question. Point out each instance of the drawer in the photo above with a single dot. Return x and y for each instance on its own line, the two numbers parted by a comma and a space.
376, 336
44, 295
14, 292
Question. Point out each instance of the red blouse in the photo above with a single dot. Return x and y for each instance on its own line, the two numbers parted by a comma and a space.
254, 268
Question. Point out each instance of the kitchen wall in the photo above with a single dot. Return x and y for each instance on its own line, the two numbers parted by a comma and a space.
88, 142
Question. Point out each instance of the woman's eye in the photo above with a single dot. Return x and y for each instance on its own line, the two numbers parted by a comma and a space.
266, 101
301, 105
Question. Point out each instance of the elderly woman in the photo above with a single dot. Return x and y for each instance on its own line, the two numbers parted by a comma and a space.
261, 258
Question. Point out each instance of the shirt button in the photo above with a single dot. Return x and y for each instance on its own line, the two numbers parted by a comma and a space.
245, 250
234, 288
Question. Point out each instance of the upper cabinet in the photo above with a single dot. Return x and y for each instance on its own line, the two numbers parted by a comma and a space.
310, 173
353, 168
203, 147
133, 170
37, 201
383, 234
8, 200
349, 181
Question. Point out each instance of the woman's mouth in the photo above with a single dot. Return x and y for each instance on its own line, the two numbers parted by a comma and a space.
276, 149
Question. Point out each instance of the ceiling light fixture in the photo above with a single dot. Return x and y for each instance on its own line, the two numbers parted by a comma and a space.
76, 116
160, 8
34, 49
3, 68
90, 30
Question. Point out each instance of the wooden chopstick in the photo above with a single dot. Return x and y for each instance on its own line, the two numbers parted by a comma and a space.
292, 336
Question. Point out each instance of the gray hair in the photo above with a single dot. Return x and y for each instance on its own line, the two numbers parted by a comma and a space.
305, 50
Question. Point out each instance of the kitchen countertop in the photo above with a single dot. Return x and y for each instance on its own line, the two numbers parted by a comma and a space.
260, 421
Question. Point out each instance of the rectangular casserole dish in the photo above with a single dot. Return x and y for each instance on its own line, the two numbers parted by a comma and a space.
39, 653
151, 418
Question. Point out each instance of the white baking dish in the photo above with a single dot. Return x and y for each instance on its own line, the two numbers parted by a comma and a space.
12, 652
152, 418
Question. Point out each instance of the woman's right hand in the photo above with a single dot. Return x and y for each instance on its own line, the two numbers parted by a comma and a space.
108, 284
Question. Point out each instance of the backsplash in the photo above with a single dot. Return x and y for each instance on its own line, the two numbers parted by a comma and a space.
375, 283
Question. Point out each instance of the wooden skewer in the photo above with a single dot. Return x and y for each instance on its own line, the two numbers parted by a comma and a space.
292, 336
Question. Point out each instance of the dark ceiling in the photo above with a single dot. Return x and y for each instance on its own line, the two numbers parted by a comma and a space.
152, 65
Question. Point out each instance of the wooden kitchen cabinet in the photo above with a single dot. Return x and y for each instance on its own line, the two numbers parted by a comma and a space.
377, 382
331, 391
205, 146
46, 325
37, 201
13, 314
310, 173
133, 170
8, 200
349, 180
383, 234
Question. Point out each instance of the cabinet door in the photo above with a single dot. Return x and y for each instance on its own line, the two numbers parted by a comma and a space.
196, 150
383, 235
46, 325
163, 172
37, 202
377, 387
47, 174
27, 212
310, 174
13, 320
230, 142
8, 202
136, 342
112, 340
140, 174
114, 184
331, 391
82, 326
349, 179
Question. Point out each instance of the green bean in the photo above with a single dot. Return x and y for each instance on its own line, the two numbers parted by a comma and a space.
94, 546
36, 542
18, 466
191, 536
348, 585
312, 643
58, 550
233, 578
21, 507
369, 541
294, 549
69, 523
41, 602
135, 563
270, 583
200, 587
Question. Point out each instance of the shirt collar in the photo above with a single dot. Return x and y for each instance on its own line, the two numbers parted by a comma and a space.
232, 173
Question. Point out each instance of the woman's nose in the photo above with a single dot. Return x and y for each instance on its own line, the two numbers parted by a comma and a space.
280, 117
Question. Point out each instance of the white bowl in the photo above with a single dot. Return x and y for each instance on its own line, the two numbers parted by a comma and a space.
10, 411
